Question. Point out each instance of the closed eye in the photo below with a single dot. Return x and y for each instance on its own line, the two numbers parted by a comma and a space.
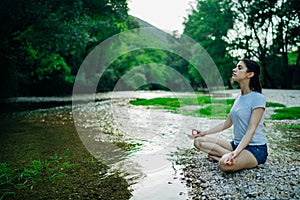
240, 66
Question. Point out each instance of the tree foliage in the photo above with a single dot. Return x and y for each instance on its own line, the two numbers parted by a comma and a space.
208, 24
43, 42
267, 31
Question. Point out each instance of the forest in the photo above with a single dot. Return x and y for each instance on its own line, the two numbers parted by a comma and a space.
44, 42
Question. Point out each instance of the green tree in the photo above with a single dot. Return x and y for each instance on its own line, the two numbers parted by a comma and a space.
208, 24
43, 42
267, 31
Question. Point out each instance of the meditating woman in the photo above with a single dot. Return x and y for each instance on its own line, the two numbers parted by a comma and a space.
248, 149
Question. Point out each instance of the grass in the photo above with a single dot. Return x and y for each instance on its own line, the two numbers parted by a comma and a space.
219, 110
286, 113
129, 147
171, 102
27, 175
290, 126
274, 104
216, 108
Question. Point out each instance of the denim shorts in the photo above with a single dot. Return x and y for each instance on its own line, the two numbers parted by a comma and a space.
260, 152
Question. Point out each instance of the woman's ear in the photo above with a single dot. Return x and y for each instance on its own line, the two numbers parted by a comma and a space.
250, 74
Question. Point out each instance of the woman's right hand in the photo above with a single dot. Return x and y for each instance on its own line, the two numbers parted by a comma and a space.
196, 133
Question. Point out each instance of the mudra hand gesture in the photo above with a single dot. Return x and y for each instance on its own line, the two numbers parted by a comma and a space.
230, 158
196, 133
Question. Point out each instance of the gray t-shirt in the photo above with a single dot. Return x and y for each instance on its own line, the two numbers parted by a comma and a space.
241, 113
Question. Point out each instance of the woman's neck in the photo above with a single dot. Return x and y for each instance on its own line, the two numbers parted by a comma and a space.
244, 92
245, 89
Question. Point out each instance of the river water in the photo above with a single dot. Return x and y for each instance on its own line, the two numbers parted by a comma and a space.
132, 139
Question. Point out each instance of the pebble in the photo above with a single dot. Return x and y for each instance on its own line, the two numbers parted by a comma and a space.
276, 179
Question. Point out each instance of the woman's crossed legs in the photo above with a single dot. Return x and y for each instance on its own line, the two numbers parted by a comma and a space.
218, 149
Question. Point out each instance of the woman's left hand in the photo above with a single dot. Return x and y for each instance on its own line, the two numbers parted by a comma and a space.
230, 158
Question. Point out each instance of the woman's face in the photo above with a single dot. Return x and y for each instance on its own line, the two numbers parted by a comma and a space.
240, 72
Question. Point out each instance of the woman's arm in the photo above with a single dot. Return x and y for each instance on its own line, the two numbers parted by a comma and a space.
254, 121
218, 128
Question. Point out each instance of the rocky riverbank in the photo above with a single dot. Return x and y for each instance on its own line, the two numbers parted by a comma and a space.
278, 178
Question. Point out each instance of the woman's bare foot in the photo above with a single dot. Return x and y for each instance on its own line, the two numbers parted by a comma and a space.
212, 158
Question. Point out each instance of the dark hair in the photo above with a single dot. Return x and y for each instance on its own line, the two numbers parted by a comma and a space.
252, 66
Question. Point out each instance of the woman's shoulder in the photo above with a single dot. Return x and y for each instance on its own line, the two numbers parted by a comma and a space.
258, 99
257, 95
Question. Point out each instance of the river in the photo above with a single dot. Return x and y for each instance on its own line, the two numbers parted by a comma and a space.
135, 140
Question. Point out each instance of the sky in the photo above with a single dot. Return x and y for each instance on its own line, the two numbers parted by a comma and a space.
167, 15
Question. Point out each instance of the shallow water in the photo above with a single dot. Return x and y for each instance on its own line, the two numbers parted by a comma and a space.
132, 139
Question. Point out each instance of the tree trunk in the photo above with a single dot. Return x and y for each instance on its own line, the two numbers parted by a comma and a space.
267, 79
298, 59
229, 84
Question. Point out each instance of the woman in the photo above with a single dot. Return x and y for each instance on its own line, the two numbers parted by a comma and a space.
249, 147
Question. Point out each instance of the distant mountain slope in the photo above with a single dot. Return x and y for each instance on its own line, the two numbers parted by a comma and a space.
142, 23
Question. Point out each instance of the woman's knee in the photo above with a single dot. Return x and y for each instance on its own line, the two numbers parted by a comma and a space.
225, 167
198, 143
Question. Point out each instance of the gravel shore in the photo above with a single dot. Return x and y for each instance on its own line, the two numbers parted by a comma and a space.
278, 178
